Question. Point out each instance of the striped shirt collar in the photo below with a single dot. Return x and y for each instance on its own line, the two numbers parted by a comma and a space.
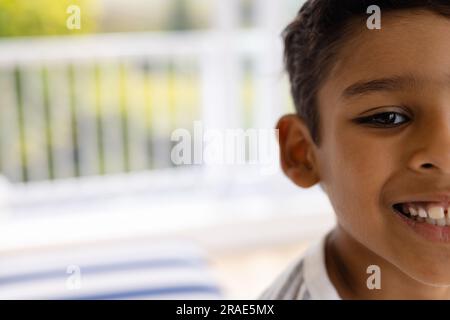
305, 279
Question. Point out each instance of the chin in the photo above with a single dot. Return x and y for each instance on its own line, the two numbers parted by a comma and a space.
433, 277
435, 281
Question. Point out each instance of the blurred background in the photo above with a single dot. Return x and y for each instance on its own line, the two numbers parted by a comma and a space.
91, 92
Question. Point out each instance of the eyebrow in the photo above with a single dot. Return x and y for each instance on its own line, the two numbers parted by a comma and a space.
395, 83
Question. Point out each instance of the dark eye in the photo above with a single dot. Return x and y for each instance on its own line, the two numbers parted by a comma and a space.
385, 119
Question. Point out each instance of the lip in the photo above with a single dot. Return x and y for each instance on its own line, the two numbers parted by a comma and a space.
433, 233
425, 230
440, 198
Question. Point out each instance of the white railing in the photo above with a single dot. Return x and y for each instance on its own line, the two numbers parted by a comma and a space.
102, 107
105, 104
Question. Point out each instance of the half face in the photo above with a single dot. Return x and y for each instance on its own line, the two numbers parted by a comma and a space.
384, 157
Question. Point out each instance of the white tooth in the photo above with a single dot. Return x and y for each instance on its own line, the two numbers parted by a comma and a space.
422, 212
436, 212
431, 221
413, 211
441, 222
448, 219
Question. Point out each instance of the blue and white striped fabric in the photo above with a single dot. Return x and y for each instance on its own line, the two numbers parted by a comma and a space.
109, 270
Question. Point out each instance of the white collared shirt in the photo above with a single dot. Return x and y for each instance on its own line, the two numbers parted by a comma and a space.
305, 279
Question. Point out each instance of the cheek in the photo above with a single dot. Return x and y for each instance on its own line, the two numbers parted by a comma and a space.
356, 168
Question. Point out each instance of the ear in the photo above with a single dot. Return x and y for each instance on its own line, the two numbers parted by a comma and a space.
296, 151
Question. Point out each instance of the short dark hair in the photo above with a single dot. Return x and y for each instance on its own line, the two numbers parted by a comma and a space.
313, 39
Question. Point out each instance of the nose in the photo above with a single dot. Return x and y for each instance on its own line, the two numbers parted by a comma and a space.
432, 152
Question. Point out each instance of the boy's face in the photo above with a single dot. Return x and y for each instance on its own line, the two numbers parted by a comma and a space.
368, 165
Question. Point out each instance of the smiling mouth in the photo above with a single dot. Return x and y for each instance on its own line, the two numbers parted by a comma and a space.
424, 212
